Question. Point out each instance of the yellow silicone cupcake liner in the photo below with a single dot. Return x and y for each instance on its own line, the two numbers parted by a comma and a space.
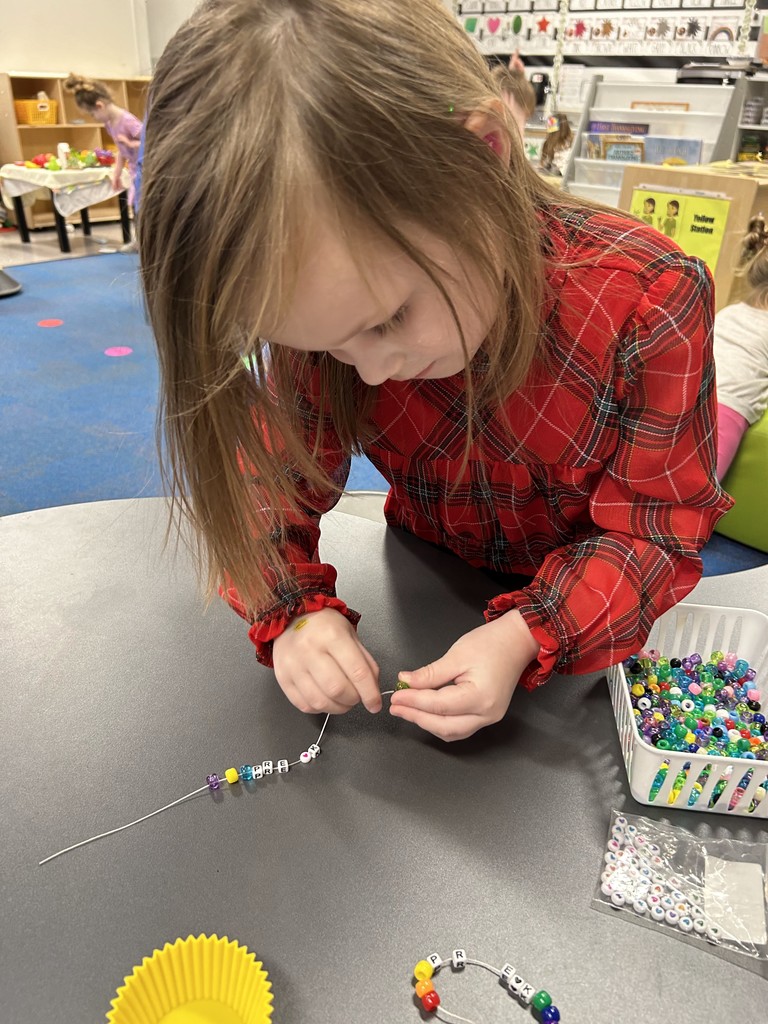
198, 980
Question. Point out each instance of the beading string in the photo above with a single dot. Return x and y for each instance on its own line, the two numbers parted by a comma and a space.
540, 1002
232, 775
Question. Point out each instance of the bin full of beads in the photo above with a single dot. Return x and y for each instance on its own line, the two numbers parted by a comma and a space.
692, 723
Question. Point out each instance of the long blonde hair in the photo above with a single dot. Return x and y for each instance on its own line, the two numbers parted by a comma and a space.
256, 106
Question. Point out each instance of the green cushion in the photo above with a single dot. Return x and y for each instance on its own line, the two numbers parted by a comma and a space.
747, 483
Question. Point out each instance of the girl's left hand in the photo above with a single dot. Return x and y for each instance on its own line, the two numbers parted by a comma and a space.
485, 665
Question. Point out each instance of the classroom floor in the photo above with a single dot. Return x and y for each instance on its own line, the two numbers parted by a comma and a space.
45, 244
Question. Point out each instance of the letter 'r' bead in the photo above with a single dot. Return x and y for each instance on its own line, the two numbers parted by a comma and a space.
459, 959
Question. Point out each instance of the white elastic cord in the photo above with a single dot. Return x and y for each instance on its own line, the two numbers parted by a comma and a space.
167, 807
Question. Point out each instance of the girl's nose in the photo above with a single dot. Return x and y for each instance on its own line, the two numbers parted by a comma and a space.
376, 367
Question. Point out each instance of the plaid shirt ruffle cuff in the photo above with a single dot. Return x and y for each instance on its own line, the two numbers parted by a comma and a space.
540, 625
269, 627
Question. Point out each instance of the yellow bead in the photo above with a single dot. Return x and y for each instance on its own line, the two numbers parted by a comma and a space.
658, 716
422, 987
231, 775
423, 971
690, 738
637, 690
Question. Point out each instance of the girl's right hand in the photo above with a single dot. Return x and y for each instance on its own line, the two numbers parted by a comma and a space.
321, 665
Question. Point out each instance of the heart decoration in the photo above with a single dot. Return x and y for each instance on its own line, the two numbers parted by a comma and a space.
493, 24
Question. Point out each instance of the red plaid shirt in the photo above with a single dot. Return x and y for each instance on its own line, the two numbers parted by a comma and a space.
601, 485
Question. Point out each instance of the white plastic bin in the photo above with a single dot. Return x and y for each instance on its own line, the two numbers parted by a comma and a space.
679, 632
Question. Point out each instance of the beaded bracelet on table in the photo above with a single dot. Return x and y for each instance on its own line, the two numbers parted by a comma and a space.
539, 1000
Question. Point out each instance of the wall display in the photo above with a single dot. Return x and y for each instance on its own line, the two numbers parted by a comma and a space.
613, 28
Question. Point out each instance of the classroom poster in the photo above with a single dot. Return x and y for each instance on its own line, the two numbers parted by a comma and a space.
695, 221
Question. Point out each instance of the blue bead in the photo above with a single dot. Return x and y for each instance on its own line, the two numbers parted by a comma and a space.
246, 772
759, 718
550, 1015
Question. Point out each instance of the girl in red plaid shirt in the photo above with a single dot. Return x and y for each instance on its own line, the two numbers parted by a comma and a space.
336, 188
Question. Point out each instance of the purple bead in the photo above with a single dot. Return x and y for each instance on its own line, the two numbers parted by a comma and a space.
213, 782
696, 659
750, 675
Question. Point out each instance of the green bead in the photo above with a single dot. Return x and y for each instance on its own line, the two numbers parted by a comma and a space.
402, 685
663, 745
541, 1000
691, 722
743, 744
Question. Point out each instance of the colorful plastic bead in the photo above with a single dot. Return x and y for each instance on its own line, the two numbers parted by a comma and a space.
431, 1001
401, 685
423, 970
541, 1000
550, 1015
246, 772
231, 776
213, 782
422, 987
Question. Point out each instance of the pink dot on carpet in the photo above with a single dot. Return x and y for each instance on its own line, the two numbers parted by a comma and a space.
49, 323
118, 350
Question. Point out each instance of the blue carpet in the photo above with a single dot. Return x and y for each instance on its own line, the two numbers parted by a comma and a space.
77, 425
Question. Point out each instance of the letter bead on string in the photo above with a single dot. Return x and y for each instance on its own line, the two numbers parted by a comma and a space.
539, 1000
246, 773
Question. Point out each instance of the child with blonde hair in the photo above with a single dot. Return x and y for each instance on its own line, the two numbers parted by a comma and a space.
94, 98
741, 350
517, 92
533, 376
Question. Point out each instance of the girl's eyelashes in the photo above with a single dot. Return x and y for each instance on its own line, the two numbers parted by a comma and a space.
394, 321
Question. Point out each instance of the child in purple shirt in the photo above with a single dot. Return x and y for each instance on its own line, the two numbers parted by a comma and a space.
94, 98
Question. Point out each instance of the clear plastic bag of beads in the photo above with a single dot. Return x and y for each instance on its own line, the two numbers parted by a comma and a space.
710, 892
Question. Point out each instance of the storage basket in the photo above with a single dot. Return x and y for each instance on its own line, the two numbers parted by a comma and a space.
681, 631
36, 111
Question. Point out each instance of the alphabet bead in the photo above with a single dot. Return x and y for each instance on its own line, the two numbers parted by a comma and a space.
258, 771
507, 971
282, 766
526, 994
459, 959
313, 749
268, 767
436, 960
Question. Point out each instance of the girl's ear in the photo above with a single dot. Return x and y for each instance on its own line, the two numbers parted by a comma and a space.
490, 123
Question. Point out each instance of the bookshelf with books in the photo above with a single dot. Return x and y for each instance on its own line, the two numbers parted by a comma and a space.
626, 124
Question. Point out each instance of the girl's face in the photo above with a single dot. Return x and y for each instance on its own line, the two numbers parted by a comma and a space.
99, 112
377, 311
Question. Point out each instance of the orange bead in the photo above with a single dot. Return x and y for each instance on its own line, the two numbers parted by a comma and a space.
422, 987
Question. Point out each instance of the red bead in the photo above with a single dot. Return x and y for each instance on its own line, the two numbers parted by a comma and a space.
745, 733
430, 1001
730, 724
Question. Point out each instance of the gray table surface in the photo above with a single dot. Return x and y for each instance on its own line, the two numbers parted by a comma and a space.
121, 692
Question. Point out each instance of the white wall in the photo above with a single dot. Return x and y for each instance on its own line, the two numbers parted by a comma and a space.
92, 37
163, 18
